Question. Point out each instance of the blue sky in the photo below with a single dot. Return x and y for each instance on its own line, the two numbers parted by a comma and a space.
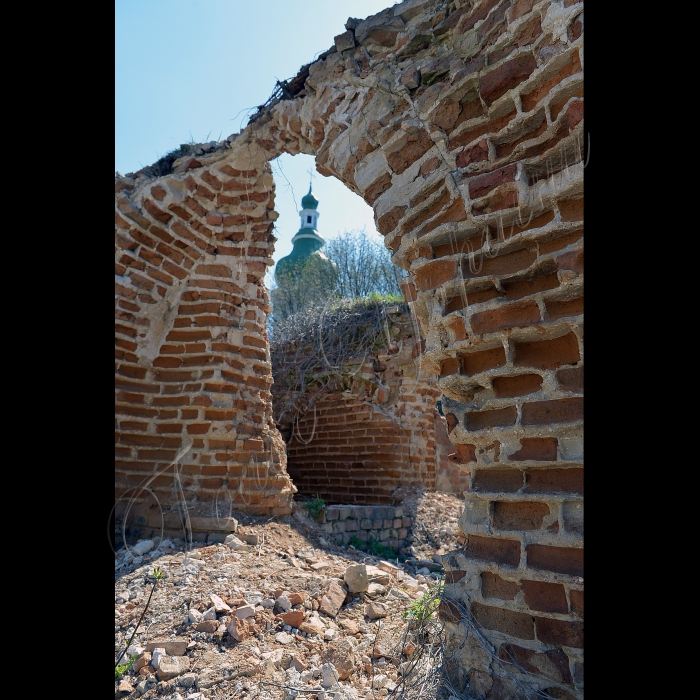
194, 69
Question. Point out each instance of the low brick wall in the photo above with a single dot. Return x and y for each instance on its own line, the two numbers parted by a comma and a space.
386, 524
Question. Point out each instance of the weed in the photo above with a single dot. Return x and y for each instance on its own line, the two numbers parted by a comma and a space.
372, 546
315, 506
121, 669
157, 575
424, 608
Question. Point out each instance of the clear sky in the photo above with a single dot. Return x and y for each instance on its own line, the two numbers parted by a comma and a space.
194, 69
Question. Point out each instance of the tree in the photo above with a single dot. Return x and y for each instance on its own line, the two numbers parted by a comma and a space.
352, 266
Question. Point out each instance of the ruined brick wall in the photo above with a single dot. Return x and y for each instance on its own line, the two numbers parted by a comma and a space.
382, 432
461, 124
193, 405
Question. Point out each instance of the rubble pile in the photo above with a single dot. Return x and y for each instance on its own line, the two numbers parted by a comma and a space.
273, 610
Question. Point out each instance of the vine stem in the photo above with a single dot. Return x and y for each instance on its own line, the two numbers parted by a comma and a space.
148, 602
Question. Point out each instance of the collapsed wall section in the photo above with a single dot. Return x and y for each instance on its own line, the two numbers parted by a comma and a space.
193, 405
375, 430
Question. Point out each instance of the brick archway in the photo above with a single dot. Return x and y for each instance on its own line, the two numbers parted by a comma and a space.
461, 125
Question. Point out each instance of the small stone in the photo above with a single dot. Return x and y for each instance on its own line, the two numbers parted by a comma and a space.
219, 605
171, 667
329, 675
342, 656
142, 547
209, 614
268, 603
333, 598
283, 638
313, 626
296, 598
235, 544
375, 589
125, 687
328, 635
355, 577
350, 626
173, 647
380, 681
298, 664
209, 626
245, 611
187, 680
283, 603
239, 629
143, 660
388, 567
409, 648
156, 656
293, 618
375, 610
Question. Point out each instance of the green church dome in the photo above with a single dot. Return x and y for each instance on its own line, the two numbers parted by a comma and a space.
308, 201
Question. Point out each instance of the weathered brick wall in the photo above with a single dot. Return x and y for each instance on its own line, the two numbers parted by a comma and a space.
461, 124
360, 444
193, 405
386, 524
382, 432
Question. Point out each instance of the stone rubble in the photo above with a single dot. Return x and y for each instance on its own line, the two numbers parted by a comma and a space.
254, 623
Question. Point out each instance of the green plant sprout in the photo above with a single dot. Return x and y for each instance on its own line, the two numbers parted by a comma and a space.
121, 669
372, 546
315, 506
424, 608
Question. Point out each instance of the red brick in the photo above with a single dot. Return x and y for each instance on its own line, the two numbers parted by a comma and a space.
545, 597
434, 274
497, 480
560, 632
155, 212
559, 411
466, 137
388, 222
520, 8
507, 264
536, 449
505, 77
455, 212
416, 146
515, 624
553, 481
463, 454
506, 316
493, 586
476, 362
560, 242
532, 98
449, 366
576, 598
570, 379
571, 261
523, 288
571, 209
493, 550
483, 184
559, 560
548, 354
562, 309
553, 664
522, 515
497, 417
